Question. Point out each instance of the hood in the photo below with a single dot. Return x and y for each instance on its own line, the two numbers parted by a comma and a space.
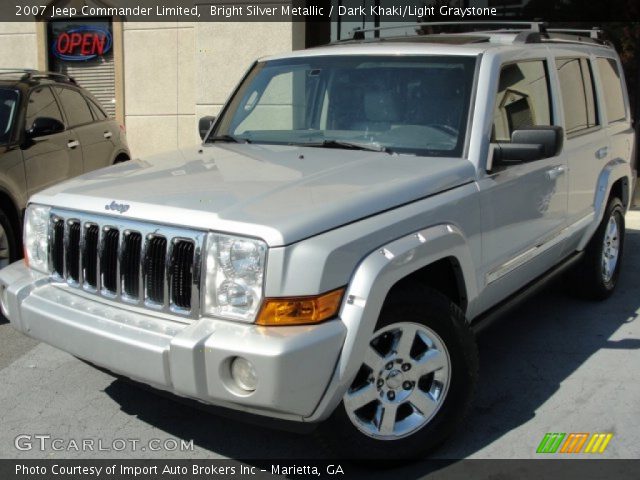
281, 194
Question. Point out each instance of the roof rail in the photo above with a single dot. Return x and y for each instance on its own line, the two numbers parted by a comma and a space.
36, 74
359, 33
32, 74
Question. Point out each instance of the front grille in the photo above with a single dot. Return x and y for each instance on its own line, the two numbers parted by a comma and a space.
152, 266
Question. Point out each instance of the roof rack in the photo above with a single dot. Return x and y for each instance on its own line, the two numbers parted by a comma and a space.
526, 32
358, 33
36, 74
32, 74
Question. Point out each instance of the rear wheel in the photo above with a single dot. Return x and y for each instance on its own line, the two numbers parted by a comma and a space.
414, 386
597, 275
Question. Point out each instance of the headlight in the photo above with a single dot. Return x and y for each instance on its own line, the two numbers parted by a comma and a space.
234, 276
36, 237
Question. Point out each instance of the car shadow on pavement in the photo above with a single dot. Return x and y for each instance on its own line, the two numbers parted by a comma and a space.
524, 359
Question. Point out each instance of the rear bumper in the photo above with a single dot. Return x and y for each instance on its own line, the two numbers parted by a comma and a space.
294, 365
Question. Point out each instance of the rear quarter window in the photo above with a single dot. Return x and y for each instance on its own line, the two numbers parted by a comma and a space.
612, 90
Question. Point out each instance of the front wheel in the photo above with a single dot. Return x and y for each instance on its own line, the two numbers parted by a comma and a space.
414, 386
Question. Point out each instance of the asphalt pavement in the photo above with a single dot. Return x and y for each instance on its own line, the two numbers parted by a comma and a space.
555, 364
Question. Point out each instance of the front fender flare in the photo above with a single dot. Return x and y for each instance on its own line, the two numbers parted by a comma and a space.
369, 287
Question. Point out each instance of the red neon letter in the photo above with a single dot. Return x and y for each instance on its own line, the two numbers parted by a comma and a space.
98, 43
87, 43
63, 43
76, 40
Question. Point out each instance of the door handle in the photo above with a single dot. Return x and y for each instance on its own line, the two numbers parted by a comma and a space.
73, 143
555, 173
108, 134
602, 153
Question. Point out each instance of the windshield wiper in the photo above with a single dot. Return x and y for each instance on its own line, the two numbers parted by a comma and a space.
227, 138
370, 147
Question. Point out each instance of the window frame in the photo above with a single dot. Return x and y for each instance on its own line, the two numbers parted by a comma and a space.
596, 96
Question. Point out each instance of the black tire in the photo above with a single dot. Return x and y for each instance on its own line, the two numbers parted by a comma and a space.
588, 279
14, 252
443, 317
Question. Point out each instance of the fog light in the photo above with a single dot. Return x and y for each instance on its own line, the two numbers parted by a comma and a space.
244, 374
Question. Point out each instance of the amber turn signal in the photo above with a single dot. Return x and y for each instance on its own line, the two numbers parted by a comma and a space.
300, 310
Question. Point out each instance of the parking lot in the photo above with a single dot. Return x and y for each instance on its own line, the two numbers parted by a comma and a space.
556, 364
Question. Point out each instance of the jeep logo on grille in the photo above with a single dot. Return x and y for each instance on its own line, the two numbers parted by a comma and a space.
117, 207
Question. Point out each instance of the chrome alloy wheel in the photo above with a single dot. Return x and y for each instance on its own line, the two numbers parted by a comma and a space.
610, 249
402, 383
5, 254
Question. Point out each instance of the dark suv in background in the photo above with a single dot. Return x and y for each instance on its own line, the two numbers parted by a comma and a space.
50, 130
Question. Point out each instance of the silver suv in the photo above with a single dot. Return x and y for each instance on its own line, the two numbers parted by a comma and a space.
353, 213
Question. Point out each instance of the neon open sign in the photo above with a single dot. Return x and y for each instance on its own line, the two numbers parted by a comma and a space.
82, 43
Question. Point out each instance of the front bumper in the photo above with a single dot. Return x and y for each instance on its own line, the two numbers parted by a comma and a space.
294, 365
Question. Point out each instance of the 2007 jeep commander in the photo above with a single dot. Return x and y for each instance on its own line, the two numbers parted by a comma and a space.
352, 212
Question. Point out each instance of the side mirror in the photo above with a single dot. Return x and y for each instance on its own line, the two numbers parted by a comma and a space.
529, 144
43, 126
204, 124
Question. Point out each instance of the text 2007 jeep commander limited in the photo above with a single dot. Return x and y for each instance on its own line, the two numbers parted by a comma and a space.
352, 212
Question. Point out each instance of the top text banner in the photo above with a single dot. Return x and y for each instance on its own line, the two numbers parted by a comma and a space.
409, 11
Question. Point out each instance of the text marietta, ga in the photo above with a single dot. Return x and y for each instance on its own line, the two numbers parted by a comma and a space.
199, 470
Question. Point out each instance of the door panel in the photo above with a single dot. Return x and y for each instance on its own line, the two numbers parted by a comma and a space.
93, 135
524, 205
48, 160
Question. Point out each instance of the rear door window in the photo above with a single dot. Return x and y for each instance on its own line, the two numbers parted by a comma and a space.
578, 95
75, 106
612, 86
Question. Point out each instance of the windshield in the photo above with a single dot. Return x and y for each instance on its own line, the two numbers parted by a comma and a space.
8, 110
404, 104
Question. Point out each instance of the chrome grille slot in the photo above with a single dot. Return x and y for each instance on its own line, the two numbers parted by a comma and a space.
153, 267
73, 251
181, 273
130, 265
57, 246
109, 259
90, 255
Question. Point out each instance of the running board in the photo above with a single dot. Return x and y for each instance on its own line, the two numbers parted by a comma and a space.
495, 313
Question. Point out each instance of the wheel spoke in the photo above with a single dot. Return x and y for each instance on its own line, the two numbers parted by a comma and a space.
431, 361
422, 402
386, 418
4, 253
372, 358
361, 397
405, 342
